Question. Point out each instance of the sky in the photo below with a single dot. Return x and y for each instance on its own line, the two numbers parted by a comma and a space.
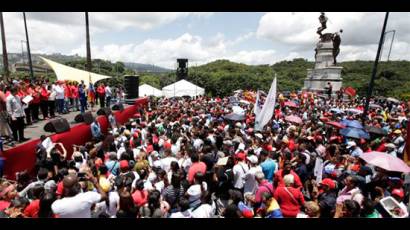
247, 37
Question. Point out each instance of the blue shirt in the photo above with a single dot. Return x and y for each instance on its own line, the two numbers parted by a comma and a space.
113, 167
95, 129
268, 168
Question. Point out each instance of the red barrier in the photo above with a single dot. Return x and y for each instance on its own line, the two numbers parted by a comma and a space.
23, 157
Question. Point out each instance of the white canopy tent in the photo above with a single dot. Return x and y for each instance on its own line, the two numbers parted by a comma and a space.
64, 72
182, 88
147, 90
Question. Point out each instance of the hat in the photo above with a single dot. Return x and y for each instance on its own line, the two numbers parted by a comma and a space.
238, 125
134, 123
149, 149
167, 145
241, 146
398, 192
241, 155
397, 131
329, 183
350, 144
390, 145
124, 164
258, 135
250, 130
253, 159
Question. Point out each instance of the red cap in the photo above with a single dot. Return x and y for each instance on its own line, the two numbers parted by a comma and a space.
241, 155
149, 149
250, 130
124, 164
167, 145
398, 192
135, 135
247, 213
362, 141
329, 182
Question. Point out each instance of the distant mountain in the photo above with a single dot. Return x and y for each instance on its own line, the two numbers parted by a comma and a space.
146, 68
61, 58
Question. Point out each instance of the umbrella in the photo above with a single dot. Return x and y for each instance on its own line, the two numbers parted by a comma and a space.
386, 161
375, 130
352, 124
290, 104
354, 133
375, 106
324, 119
235, 117
394, 100
294, 119
336, 124
350, 91
336, 110
353, 110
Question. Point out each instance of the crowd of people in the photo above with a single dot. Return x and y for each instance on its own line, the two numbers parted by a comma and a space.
182, 158
24, 102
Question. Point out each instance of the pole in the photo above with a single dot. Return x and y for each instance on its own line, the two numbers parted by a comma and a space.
28, 49
89, 67
5, 57
376, 62
22, 53
391, 44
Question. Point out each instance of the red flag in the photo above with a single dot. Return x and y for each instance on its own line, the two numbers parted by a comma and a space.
350, 91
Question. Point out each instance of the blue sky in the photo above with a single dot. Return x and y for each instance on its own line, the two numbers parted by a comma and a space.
248, 37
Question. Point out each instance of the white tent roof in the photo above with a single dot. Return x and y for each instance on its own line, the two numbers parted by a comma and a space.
182, 88
64, 72
147, 90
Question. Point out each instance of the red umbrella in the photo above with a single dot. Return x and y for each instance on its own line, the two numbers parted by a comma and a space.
336, 124
290, 104
324, 119
294, 119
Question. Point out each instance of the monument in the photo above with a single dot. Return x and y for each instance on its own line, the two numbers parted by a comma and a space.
326, 69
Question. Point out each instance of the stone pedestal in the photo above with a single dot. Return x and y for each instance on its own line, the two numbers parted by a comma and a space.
325, 71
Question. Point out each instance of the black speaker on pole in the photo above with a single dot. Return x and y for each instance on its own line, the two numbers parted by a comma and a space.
131, 85
87, 118
182, 70
57, 125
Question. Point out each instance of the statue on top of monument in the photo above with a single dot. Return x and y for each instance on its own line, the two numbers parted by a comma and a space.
336, 45
323, 21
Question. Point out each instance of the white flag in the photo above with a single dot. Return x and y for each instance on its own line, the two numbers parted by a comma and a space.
268, 108
257, 107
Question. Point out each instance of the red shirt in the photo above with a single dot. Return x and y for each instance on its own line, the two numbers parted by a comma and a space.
4, 204
74, 91
263, 187
140, 198
44, 94
101, 90
196, 167
289, 206
67, 91
281, 183
36, 96
32, 209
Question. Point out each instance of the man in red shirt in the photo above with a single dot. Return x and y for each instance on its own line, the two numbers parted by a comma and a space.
34, 91
75, 96
67, 96
44, 94
195, 167
101, 95
280, 174
290, 199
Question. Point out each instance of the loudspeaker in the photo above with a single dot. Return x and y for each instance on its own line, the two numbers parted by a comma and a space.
104, 112
182, 70
118, 106
131, 84
58, 125
86, 118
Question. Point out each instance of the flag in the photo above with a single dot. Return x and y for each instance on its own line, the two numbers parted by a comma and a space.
406, 153
268, 108
257, 107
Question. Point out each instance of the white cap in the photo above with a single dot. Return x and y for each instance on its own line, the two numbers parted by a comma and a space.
351, 144
258, 135
238, 125
390, 145
253, 159
241, 146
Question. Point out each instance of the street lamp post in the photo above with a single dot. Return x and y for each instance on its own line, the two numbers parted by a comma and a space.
28, 49
376, 62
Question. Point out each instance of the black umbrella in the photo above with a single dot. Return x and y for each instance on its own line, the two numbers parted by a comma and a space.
234, 117
375, 130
